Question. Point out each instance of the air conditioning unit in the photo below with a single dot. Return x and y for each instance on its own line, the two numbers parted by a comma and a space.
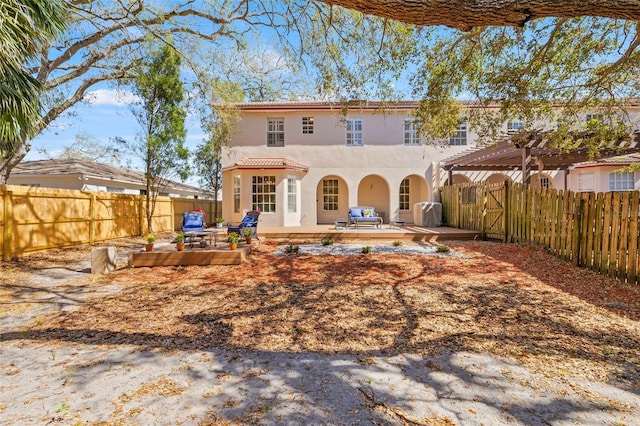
427, 213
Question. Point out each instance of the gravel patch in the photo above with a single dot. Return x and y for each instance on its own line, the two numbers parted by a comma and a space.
340, 249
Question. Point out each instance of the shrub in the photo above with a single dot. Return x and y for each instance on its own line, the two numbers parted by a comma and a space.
442, 248
150, 238
327, 242
233, 237
366, 249
397, 243
291, 248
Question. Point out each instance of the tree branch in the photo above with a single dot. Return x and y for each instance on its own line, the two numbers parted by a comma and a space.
465, 14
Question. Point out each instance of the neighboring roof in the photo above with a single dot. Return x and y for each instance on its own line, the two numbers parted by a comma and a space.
268, 163
89, 169
508, 154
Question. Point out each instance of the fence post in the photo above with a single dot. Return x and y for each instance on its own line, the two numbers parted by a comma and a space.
7, 245
483, 211
577, 232
506, 211
92, 218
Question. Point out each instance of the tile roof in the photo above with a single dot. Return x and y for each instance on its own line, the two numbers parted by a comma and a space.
268, 163
90, 169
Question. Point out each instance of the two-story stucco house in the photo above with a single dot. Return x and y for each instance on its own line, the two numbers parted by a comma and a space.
306, 163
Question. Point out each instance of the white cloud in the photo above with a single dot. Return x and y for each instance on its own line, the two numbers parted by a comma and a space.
116, 97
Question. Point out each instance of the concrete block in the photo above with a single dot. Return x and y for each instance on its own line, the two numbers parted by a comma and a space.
103, 259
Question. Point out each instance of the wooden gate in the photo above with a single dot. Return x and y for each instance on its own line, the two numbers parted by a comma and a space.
494, 218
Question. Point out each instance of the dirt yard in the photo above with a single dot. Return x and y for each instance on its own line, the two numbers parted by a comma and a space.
574, 334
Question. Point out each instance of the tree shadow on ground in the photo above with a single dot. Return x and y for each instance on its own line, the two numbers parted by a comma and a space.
367, 325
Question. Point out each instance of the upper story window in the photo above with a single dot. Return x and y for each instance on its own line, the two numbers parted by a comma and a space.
354, 132
411, 135
622, 181
514, 126
307, 125
275, 131
586, 182
589, 117
460, 136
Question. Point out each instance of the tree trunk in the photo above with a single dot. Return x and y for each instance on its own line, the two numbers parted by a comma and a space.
465, 14
8, 162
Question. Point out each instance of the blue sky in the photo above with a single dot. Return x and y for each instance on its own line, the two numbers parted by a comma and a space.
107, 116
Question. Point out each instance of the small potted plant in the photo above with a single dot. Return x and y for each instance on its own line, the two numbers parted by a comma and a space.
180, 241
233, 239
246, 232
219, 221
150, 240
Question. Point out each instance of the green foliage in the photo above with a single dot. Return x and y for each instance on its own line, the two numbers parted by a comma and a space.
150, 238
327, 241
161, 115
179, 237
24, 28
397, 243
442, 248
233, 237
291, 248
366, 250
550, 70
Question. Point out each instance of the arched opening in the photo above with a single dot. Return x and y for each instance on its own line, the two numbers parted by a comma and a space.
332, 199
497, 178
457, 179
373, 191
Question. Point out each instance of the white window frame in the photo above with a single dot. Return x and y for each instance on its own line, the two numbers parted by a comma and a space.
354, 132
459, 138
263, 193
411, 135
292, 194
236, 193
405, 194
514, 126
589, 117
275, 131
586, 182
330, 194
621, 181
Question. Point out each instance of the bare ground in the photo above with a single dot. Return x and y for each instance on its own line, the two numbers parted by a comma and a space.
498, 334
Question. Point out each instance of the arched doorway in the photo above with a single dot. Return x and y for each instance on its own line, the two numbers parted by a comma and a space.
373, 191
332, 199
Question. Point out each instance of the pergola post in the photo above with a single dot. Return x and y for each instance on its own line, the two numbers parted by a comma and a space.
526, 165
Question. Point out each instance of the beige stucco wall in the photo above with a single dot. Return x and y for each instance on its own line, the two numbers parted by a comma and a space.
379, 165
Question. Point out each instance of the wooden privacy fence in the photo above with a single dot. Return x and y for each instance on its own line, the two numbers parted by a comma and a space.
597, 231
34, 219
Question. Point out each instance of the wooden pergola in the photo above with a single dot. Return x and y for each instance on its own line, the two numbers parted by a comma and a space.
524, 151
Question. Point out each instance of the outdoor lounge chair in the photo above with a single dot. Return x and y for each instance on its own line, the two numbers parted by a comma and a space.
194, 229
361, 215
250, 221
192, 222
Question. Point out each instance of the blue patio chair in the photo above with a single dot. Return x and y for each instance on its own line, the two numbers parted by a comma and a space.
192, 222
250, 221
